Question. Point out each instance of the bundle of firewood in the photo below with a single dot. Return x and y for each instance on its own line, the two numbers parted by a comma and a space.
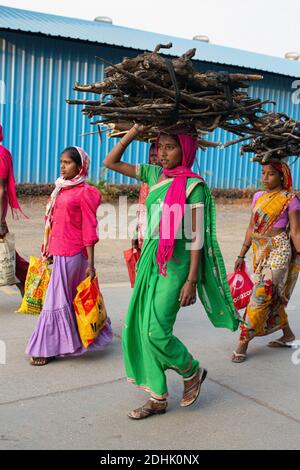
273, 136
167, 94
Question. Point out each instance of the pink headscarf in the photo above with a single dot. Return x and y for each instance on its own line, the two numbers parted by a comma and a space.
11, 184
176, 195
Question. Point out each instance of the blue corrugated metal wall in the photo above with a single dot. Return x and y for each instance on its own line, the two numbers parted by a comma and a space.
39, 74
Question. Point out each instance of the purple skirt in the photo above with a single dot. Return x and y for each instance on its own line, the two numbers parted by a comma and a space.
56, 332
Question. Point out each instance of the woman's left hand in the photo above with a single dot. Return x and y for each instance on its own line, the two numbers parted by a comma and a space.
91, 272
3, 229
188, 295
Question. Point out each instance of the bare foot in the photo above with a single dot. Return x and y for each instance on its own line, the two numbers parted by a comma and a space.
283, 341
288, 335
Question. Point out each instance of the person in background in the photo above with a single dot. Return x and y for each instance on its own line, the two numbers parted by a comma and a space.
138, 239
274, 233
8, 197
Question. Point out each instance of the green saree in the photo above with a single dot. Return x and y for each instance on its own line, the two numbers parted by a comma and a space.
149, 345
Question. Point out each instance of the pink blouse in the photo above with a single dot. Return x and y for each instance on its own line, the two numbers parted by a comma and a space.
283, 220
74, 220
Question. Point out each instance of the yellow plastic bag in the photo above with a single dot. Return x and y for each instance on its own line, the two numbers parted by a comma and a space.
36, 284
90, 311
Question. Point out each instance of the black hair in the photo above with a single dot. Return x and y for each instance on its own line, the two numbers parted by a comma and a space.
73, 153
173, 136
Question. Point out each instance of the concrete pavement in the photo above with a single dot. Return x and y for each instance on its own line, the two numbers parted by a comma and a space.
81, 403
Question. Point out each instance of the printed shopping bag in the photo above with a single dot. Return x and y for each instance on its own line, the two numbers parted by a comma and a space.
240, 287
7, 260
36, 284
90, 310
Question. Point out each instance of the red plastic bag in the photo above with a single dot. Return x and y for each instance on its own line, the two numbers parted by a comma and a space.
131, 257
241, 287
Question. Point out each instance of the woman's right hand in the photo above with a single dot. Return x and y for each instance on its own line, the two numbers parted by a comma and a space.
239, 264
135, 243
139, 128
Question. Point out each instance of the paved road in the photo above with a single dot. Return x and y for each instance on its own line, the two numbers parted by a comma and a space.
81, 403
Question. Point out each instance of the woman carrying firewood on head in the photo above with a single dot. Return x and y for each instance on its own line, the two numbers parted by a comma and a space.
70, 237
170, 272
274, 233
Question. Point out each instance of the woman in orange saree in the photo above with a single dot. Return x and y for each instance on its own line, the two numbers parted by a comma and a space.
274, 233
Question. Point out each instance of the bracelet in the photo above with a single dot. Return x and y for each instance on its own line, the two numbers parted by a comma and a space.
241, 257
123, 145
194, 283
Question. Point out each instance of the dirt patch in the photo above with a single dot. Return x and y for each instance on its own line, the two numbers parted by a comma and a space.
232, 221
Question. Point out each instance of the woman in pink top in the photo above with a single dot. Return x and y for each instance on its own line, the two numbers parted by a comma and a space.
8, 197
274, 233
70, 237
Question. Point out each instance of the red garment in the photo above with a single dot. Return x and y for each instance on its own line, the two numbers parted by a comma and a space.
284, 169
5, 168
143, 194
7, 172
21, 268
4, 172
74, 220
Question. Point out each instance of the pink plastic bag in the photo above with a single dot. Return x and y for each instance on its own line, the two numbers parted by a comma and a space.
241, 287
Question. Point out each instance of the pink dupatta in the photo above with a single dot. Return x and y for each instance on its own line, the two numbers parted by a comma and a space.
176, 196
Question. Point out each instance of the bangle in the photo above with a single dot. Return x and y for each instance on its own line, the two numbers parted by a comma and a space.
194, 283
123, 145
241, 257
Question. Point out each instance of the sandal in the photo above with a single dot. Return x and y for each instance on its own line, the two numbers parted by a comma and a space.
41, 361
149, 410
238, 358
277, 343
191, 392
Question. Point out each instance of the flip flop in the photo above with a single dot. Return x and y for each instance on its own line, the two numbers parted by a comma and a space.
240, 357
277, 343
